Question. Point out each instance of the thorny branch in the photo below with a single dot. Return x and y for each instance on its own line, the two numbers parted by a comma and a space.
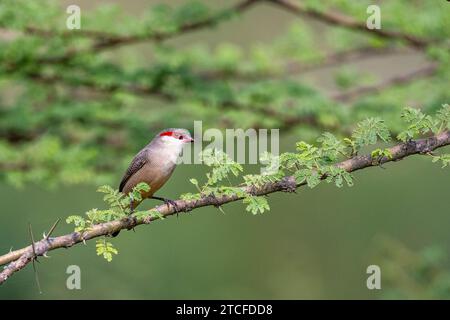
19, 259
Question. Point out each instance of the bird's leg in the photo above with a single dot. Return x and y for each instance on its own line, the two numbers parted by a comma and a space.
115, 234
167, 202
131, 203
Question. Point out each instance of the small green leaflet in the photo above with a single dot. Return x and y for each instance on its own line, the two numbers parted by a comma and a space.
105, 249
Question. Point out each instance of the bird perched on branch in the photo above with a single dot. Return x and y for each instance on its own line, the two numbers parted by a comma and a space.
155, 163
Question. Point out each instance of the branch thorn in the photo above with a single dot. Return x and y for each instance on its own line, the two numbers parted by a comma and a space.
34, 258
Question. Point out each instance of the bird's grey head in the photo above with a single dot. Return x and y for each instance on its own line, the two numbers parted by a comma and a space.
172, 139
174, 136
169, 143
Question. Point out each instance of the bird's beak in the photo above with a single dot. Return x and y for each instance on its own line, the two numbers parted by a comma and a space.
191, 140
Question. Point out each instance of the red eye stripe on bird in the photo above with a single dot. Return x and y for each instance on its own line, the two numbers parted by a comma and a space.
155, 163
166, 133
177, 135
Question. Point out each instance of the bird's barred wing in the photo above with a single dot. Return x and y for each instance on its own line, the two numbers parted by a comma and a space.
138, 162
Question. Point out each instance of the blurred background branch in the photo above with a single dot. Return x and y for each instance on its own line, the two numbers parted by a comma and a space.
341, 20
68, 91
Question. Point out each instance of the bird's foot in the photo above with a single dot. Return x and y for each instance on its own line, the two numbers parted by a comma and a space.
173, 204
168, 203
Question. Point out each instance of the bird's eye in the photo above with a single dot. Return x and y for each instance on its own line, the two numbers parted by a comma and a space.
180, 138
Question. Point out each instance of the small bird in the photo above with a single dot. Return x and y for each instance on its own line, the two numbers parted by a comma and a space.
155, 163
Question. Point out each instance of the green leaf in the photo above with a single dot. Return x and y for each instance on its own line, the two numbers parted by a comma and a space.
262, 179
138, 190
419, 123
351, 144
368, 131
156, 214
105, 249
256, 204
331, 147
381, 153
443, 115
142, 187
313, 179
190, 196
78, 221
445, 159
105, 189
222, 166
337, 175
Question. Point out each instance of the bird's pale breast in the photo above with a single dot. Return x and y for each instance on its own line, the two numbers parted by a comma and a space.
155, 173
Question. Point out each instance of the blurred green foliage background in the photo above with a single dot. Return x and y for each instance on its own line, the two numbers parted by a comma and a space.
59, 140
